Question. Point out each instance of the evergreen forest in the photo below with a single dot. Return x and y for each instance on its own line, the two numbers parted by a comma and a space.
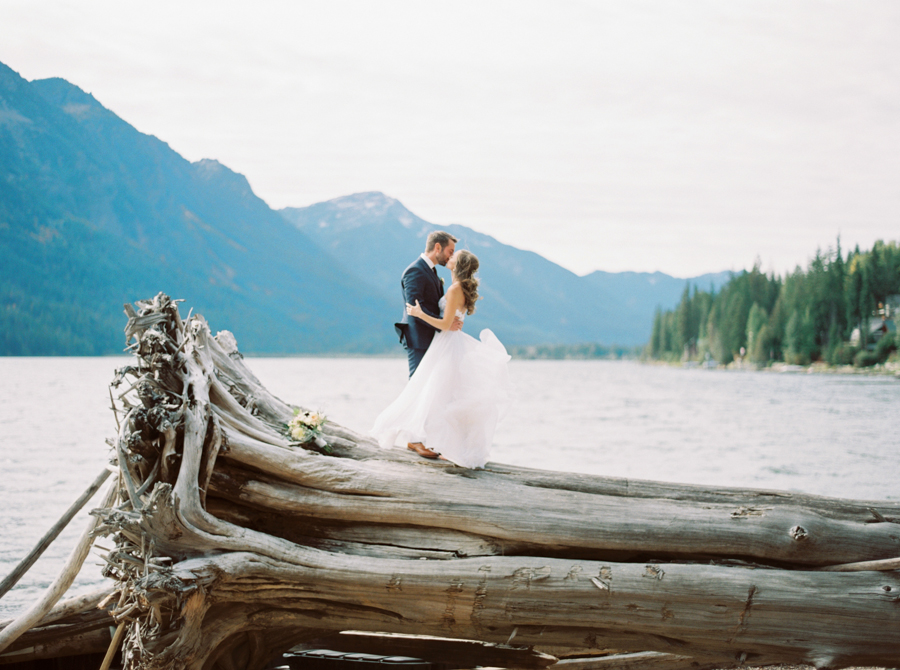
840, 311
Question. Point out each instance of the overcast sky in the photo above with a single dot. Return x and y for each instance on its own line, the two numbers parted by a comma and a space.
686, 137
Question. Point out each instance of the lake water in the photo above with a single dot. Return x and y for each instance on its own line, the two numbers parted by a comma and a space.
835, 435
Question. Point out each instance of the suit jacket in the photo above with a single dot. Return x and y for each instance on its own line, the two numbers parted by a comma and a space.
419, 282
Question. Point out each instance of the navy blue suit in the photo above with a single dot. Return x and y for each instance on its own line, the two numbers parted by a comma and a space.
419, 282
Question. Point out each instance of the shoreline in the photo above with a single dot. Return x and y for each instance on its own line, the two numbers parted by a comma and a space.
889, 369
881, 370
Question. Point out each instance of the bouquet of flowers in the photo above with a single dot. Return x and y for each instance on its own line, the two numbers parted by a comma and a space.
307, 427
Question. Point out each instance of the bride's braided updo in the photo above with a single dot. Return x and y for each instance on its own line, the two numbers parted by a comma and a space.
466, 267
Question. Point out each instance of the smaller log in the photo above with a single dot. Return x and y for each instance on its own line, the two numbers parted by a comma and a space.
643, 660
113, 647
861, 566
80, 644
83, 602
25, 564
62, 583
85, 633
461, 653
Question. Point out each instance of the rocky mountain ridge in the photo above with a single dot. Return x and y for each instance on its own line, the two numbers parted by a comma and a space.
94, 213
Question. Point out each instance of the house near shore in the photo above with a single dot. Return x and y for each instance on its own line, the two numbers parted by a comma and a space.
883, 321
891, 309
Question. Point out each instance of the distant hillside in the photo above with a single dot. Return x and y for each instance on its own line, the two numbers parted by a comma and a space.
94, 214
636, 295
527, 299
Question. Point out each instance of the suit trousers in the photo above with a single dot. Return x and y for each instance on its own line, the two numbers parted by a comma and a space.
415, 357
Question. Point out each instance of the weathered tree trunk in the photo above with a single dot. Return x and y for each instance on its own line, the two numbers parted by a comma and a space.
234, 544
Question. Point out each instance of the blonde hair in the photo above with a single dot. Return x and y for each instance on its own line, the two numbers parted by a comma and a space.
466, 267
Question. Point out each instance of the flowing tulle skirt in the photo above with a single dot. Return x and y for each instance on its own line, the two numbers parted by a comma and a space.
453, 401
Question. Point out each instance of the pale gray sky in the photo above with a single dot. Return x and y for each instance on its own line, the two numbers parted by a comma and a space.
681, 136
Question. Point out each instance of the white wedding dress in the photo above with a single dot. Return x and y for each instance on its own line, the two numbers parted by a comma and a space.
454, 400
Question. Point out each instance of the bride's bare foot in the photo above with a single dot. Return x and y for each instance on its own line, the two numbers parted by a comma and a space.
421, 449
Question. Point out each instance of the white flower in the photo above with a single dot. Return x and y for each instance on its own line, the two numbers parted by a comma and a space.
306, 426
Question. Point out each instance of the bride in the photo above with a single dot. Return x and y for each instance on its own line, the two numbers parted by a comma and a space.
451, 405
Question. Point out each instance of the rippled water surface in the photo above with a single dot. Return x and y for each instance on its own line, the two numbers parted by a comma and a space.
826, 434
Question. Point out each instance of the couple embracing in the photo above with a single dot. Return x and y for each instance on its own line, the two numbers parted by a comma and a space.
458, 386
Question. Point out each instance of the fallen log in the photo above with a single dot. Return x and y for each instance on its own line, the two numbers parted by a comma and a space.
44, 605
642, 660
468, 653
74, 627
10, 580
76, 635
233, 542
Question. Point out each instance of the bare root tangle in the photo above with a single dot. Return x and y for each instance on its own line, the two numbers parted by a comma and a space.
233, 543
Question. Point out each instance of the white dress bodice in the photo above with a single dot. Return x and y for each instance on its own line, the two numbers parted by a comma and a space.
442, 304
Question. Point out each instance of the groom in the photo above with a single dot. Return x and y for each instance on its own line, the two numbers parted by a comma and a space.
420, 282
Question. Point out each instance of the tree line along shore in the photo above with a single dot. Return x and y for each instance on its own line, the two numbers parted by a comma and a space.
839, 311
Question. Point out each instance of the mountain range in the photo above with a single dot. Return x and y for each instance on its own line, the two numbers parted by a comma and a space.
94, 214
526, 298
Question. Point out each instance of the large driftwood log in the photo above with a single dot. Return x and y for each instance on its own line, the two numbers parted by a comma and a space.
234, 544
